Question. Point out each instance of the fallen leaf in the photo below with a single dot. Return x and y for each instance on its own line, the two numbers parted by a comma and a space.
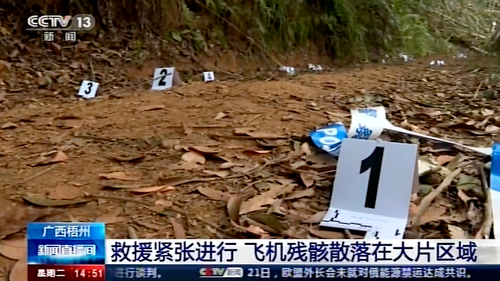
306, 149
41, 200
457, 160
233, 207
19, 271
466, 182
432, 112
119, 176
5, 268
492, 129
457, 232
327, 234
221, 174
426, 166
205, 149
169, 143
257, 231
249, 151
267, 198
413, 209
316, 218
152, 189
13, 248
163, 203
9, 125
75, 64
59, 157
4, 65
487, 112
306, 179
424, 189
227, 165
109, 217
443, 159
465, 198
432, 214
267, 143
150, 107
132, 233
14, 218
213, 193
119, 186
220, 115
302, 193
187, 130
192, 159
268, 220
64, 192
179, 232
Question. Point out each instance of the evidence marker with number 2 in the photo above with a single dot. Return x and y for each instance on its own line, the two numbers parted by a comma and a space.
163, 78
372, 188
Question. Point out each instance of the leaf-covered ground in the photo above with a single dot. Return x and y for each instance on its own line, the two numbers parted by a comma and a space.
228, 159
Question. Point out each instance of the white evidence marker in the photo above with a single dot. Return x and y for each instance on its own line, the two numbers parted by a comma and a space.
372, 188
208, 76
163, 78
88, 89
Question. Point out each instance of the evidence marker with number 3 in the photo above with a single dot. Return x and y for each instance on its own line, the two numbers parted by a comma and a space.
372, 188
88, 89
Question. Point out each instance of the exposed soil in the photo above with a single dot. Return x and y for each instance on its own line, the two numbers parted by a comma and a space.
144, 134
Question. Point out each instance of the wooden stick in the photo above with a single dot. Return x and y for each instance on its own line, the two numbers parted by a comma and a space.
477, 90
484, 231
37, 175
252, 119
426, 202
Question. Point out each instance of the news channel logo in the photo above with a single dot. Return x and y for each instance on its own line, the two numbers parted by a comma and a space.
222, 272
58, 22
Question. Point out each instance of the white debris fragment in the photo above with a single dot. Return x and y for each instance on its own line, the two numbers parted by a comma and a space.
313, 67
289, 70
461, 56
437, 63
405, 57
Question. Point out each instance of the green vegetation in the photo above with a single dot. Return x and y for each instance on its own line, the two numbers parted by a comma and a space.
342, 29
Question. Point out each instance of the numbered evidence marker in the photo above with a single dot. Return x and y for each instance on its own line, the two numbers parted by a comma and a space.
163, 78
88, 89
495, 189
208, 76
372, 188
